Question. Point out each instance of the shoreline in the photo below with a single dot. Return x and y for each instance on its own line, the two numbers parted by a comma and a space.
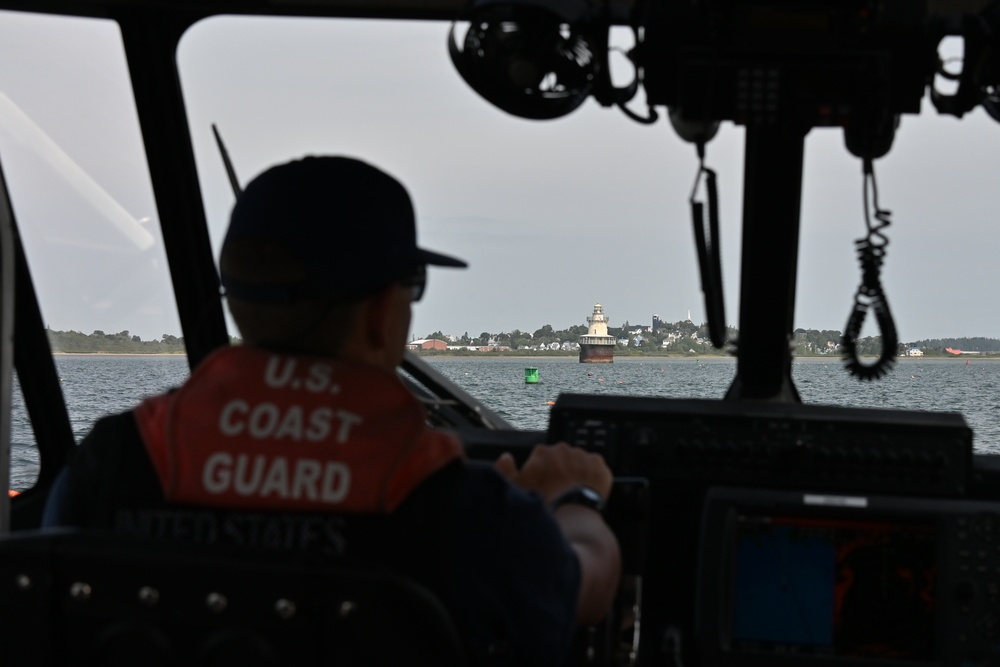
510, 355
693, 357
119, 354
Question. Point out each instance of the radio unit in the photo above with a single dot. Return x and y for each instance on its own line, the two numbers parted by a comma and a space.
736, 443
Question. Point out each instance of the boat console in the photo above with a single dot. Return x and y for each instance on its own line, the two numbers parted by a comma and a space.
784, 534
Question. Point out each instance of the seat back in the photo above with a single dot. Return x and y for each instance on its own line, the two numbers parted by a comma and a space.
71, 597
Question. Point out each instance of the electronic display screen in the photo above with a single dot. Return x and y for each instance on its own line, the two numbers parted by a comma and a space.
833, 587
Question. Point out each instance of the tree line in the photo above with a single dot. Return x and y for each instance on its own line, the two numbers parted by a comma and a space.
686, 337
76, 342
977, 344
682, 337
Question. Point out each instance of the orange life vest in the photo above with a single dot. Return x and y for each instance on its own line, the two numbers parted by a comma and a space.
256, 430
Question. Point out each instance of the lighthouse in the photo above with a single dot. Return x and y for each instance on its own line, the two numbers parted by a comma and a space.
596, 346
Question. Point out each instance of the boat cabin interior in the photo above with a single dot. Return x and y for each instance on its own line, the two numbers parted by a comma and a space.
704, 488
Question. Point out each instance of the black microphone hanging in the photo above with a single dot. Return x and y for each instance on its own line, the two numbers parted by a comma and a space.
870, 295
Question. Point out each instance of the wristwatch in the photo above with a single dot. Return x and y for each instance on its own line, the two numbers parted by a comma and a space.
580, 495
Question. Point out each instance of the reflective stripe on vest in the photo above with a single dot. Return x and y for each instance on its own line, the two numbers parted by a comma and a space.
252, 429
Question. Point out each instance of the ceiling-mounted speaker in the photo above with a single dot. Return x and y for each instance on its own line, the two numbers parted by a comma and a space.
531, 59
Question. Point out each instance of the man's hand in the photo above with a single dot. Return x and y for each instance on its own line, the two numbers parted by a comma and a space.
552, 469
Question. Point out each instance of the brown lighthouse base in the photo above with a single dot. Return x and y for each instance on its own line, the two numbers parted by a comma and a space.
597, 354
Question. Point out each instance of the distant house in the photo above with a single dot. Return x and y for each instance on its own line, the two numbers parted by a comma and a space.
914, 352
426, 344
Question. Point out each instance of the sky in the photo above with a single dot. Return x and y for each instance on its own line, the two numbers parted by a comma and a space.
552, 216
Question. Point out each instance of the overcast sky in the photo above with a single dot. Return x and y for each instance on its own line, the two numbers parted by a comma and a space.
552, 216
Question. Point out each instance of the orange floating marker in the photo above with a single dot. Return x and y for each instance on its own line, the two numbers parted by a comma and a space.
12, 493
550, 402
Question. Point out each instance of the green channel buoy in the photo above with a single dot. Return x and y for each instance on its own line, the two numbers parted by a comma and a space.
531, 375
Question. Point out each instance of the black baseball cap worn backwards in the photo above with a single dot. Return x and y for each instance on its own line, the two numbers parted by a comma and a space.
350, 225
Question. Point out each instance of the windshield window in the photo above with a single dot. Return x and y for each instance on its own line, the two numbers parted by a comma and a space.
73, 161
557, 216
73, 158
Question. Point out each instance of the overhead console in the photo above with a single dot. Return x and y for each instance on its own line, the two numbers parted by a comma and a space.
772, 445
817, 62
800, 579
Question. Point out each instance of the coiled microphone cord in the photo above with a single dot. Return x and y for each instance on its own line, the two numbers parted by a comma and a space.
870, 295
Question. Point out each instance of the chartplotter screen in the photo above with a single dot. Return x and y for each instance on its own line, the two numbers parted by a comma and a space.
837, 587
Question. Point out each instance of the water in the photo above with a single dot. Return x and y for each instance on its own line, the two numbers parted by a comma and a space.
942, 385
98, 385
93, 386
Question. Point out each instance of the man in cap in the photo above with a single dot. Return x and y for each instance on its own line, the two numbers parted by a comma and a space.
320, 267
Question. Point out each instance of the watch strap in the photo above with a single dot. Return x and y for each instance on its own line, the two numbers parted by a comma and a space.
579, 495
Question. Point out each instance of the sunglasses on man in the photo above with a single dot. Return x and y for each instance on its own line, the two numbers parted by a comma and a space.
417, 282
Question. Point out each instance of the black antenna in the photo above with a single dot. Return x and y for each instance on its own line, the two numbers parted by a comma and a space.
237, 190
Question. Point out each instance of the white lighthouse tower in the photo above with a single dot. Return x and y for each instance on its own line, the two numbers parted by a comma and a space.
596, 346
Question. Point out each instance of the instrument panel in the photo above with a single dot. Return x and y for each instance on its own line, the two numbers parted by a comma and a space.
737, 522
